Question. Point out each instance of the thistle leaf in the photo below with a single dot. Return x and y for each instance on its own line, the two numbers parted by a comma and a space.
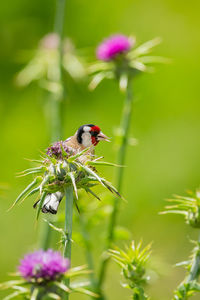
195, 286
30, 170
9, 284
145, 48
86, 292
77, 271
72, 158
13, 295
181, 212
138, 65
54, 227
30, 193
28, 188
79, 284
96, 80
102, 163
88, 170
91, 192
53, 296
71, 175
112, 188
154, 59
34, 294
99, 66
40, 204
62, 286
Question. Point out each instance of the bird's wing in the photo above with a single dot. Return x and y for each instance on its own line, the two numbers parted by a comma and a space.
73, 143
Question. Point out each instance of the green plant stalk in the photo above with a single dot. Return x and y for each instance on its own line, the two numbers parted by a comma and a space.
194, 271
88, 253
125, 124
55, 112
193, 275
68, 228
56, 99
138, 294
55, 102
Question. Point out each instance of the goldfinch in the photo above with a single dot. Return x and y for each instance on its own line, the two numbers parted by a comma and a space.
86, 136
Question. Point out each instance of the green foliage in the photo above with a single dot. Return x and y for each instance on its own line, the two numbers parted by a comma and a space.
187, 206
133, 263
165, 121
190, 285
58, 174
44, 67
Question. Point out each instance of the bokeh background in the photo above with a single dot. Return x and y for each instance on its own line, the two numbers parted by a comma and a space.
165, 121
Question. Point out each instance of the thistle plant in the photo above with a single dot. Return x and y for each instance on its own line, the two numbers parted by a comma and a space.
133, 264
63, 171
41, 274
119, 59
44, 67
190, 208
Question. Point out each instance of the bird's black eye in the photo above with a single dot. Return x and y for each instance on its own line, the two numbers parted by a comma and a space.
94, 133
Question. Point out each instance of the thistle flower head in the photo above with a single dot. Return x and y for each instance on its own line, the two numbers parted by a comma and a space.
113, 46
133, 263
43, 273
187, 206
44, 67
120, 59
41, 266
56, 150
61, 168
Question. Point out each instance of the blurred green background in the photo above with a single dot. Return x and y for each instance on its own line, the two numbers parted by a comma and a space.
165, 121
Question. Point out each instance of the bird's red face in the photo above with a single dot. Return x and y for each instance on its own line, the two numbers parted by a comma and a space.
89, 135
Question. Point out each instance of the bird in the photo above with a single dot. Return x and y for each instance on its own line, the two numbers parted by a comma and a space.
87, 136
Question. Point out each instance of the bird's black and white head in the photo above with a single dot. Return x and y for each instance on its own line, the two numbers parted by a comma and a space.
88, 135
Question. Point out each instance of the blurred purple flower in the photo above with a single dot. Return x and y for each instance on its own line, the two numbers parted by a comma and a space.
50, 41
113, 46
43, 265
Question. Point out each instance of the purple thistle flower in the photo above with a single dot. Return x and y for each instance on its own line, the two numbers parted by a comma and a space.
58, 148
113, 46
41, 266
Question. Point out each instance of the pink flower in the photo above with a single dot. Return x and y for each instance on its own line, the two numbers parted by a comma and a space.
50, 41
113, 46
45, 265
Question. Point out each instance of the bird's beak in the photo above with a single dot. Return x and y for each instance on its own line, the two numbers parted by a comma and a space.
103, 137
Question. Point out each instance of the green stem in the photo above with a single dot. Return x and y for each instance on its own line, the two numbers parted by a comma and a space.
88, 253
56, 98
183, 290
125, 124
194, 271
46, 234
55, 101
59, 17
68, 228
56, 126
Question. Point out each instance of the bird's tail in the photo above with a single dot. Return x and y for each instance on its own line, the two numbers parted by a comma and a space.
51, 203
